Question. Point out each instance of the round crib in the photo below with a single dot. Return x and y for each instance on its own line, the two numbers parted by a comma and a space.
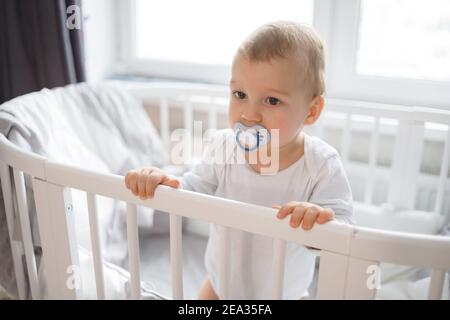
349, 256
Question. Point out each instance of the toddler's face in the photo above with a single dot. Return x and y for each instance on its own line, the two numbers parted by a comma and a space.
269, 94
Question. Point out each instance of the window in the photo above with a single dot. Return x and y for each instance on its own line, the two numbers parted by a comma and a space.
405, 39
206, 32
194, 40
392, 51
389, 51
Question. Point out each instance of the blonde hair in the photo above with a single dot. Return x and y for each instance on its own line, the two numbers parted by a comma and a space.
283, 39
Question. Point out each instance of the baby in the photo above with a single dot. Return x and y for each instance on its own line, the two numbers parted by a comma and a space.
276, 88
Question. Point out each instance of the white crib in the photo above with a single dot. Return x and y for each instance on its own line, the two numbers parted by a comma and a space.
349, 255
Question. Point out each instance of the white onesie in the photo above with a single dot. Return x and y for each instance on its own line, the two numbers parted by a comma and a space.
317, 177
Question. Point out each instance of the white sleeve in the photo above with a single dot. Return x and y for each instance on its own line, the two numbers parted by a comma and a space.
203, 177
332, 190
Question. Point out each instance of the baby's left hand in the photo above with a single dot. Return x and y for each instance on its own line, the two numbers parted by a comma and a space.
307, 212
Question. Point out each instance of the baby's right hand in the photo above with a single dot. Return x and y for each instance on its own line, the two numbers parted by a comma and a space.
143, 182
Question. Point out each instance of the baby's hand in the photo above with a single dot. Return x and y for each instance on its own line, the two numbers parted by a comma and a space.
143, 182
304, 211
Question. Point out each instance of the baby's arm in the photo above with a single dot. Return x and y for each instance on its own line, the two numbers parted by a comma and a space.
332, 190
331, 198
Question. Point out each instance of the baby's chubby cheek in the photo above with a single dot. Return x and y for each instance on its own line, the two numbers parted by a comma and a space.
284, 134
286, 123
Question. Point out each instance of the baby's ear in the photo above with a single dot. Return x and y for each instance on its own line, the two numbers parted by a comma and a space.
315, 109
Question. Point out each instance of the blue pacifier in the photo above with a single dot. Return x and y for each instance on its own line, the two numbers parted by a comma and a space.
251, 138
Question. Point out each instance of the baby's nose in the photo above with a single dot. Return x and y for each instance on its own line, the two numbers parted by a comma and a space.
251, 115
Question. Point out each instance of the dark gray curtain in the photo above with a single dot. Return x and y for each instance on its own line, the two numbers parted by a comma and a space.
37, 49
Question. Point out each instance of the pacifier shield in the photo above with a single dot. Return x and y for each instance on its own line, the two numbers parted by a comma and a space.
251, 138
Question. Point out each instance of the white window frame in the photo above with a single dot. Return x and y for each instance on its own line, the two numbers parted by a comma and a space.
337, 21
346, 83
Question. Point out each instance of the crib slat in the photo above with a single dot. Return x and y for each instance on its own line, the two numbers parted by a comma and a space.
59, 245
188, 126
212, 114
345, 142
25, 228
332, 275
224, 259
176, 255
96, 246
19, 268
343, 277
363, 279
133, 252
406, 164
436, 284
443, 176
279, 251
164, 121
373, 155
10, 220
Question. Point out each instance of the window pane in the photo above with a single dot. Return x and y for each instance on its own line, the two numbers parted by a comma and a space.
202, 31
405, 39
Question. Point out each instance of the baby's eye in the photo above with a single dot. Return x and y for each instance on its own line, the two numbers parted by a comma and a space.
273, 101
239, 94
